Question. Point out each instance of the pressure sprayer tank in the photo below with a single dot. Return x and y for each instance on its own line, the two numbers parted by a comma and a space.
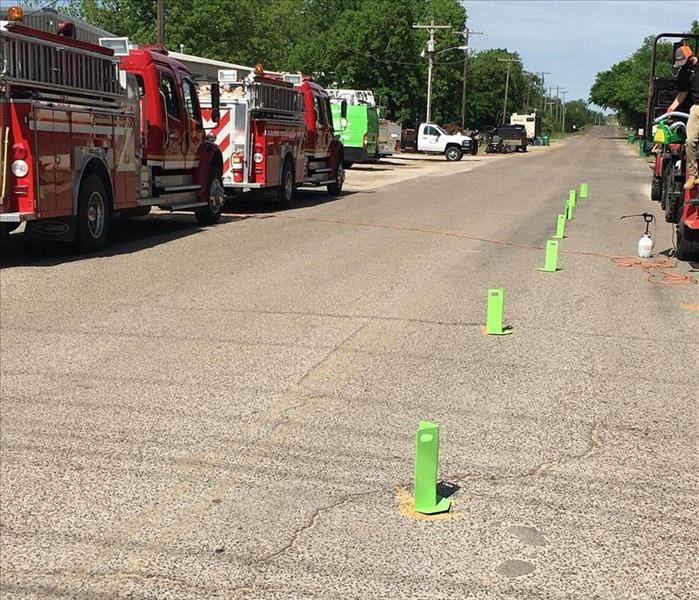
645, 246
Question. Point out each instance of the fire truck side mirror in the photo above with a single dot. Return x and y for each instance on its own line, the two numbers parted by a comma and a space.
215, 102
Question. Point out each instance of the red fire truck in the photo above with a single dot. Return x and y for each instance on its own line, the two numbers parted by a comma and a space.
85, 136
276, 136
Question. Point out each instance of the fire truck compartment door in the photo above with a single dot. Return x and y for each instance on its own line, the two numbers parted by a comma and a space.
45, 156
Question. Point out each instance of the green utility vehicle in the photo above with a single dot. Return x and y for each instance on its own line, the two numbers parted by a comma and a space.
359, 132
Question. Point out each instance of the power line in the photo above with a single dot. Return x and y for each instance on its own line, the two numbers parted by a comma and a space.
38, 10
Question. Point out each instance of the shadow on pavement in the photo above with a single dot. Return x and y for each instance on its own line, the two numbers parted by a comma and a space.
305, 198
125, 237
446, 489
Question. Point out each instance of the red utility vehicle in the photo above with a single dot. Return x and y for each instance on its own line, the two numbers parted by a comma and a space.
276, 136
681, 206
85, 136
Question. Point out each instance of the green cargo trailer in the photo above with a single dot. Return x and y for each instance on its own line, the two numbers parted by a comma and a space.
360, 134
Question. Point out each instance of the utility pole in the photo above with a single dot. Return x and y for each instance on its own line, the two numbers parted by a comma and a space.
563, 109
430, 52
160, 23
466, 33
529, 92
509, 61
555, 114
543, 74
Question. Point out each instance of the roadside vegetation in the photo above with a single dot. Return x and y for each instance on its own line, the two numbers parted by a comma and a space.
359, 44
624, 86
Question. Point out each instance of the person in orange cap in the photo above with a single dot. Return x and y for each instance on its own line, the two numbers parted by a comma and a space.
688, 86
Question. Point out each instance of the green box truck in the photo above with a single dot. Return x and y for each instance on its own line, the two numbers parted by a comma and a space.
359, 132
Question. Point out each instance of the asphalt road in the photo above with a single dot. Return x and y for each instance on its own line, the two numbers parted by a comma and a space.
230, 412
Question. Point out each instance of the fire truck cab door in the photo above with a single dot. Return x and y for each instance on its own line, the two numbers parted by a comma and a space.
174, 119
324, 128
194, 122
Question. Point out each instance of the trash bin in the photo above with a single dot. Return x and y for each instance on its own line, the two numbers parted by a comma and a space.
631, 138
545, 140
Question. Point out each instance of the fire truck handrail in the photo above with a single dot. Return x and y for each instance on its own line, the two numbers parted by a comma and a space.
4, 142
34, 62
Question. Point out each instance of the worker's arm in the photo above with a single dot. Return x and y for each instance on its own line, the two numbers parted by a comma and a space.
681, 97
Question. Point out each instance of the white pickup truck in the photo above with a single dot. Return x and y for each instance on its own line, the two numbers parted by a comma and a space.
432, 139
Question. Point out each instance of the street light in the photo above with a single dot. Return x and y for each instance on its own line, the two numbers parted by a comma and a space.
431, 53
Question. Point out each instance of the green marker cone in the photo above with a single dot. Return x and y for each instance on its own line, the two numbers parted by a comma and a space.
583, 190
426, 460
493, 320
551, 260
569, 211
560, 227
571, 197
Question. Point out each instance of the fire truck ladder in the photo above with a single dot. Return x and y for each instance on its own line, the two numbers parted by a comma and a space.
270, 98
59, 72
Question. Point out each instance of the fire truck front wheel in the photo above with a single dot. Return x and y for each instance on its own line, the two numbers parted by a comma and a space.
211, 213
335, 189
93, 214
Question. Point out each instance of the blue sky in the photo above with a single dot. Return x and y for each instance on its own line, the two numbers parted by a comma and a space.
574, 39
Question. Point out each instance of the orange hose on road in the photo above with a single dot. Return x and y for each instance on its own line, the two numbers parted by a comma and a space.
654, 268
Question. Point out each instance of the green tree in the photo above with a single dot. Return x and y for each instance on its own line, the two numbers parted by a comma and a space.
624, 86
361, 44
486, 87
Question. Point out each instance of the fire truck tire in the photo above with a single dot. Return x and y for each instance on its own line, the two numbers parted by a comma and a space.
286, 192
687, 243
93, 214
656, 189
211, 213
335, 189
453, 153
6, 229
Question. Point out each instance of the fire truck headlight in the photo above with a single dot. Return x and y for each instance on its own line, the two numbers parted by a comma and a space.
20, 168
257, 157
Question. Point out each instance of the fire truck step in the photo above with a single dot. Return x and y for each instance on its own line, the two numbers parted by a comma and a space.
321, 170
174, 189
185, 206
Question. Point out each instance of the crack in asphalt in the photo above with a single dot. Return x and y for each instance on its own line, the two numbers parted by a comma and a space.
258, 565
595, 444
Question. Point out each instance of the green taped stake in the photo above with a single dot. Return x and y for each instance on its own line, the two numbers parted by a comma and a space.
560, 227
569, 211
494, 317
572, 197
426, 460
583, 190
551, 260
